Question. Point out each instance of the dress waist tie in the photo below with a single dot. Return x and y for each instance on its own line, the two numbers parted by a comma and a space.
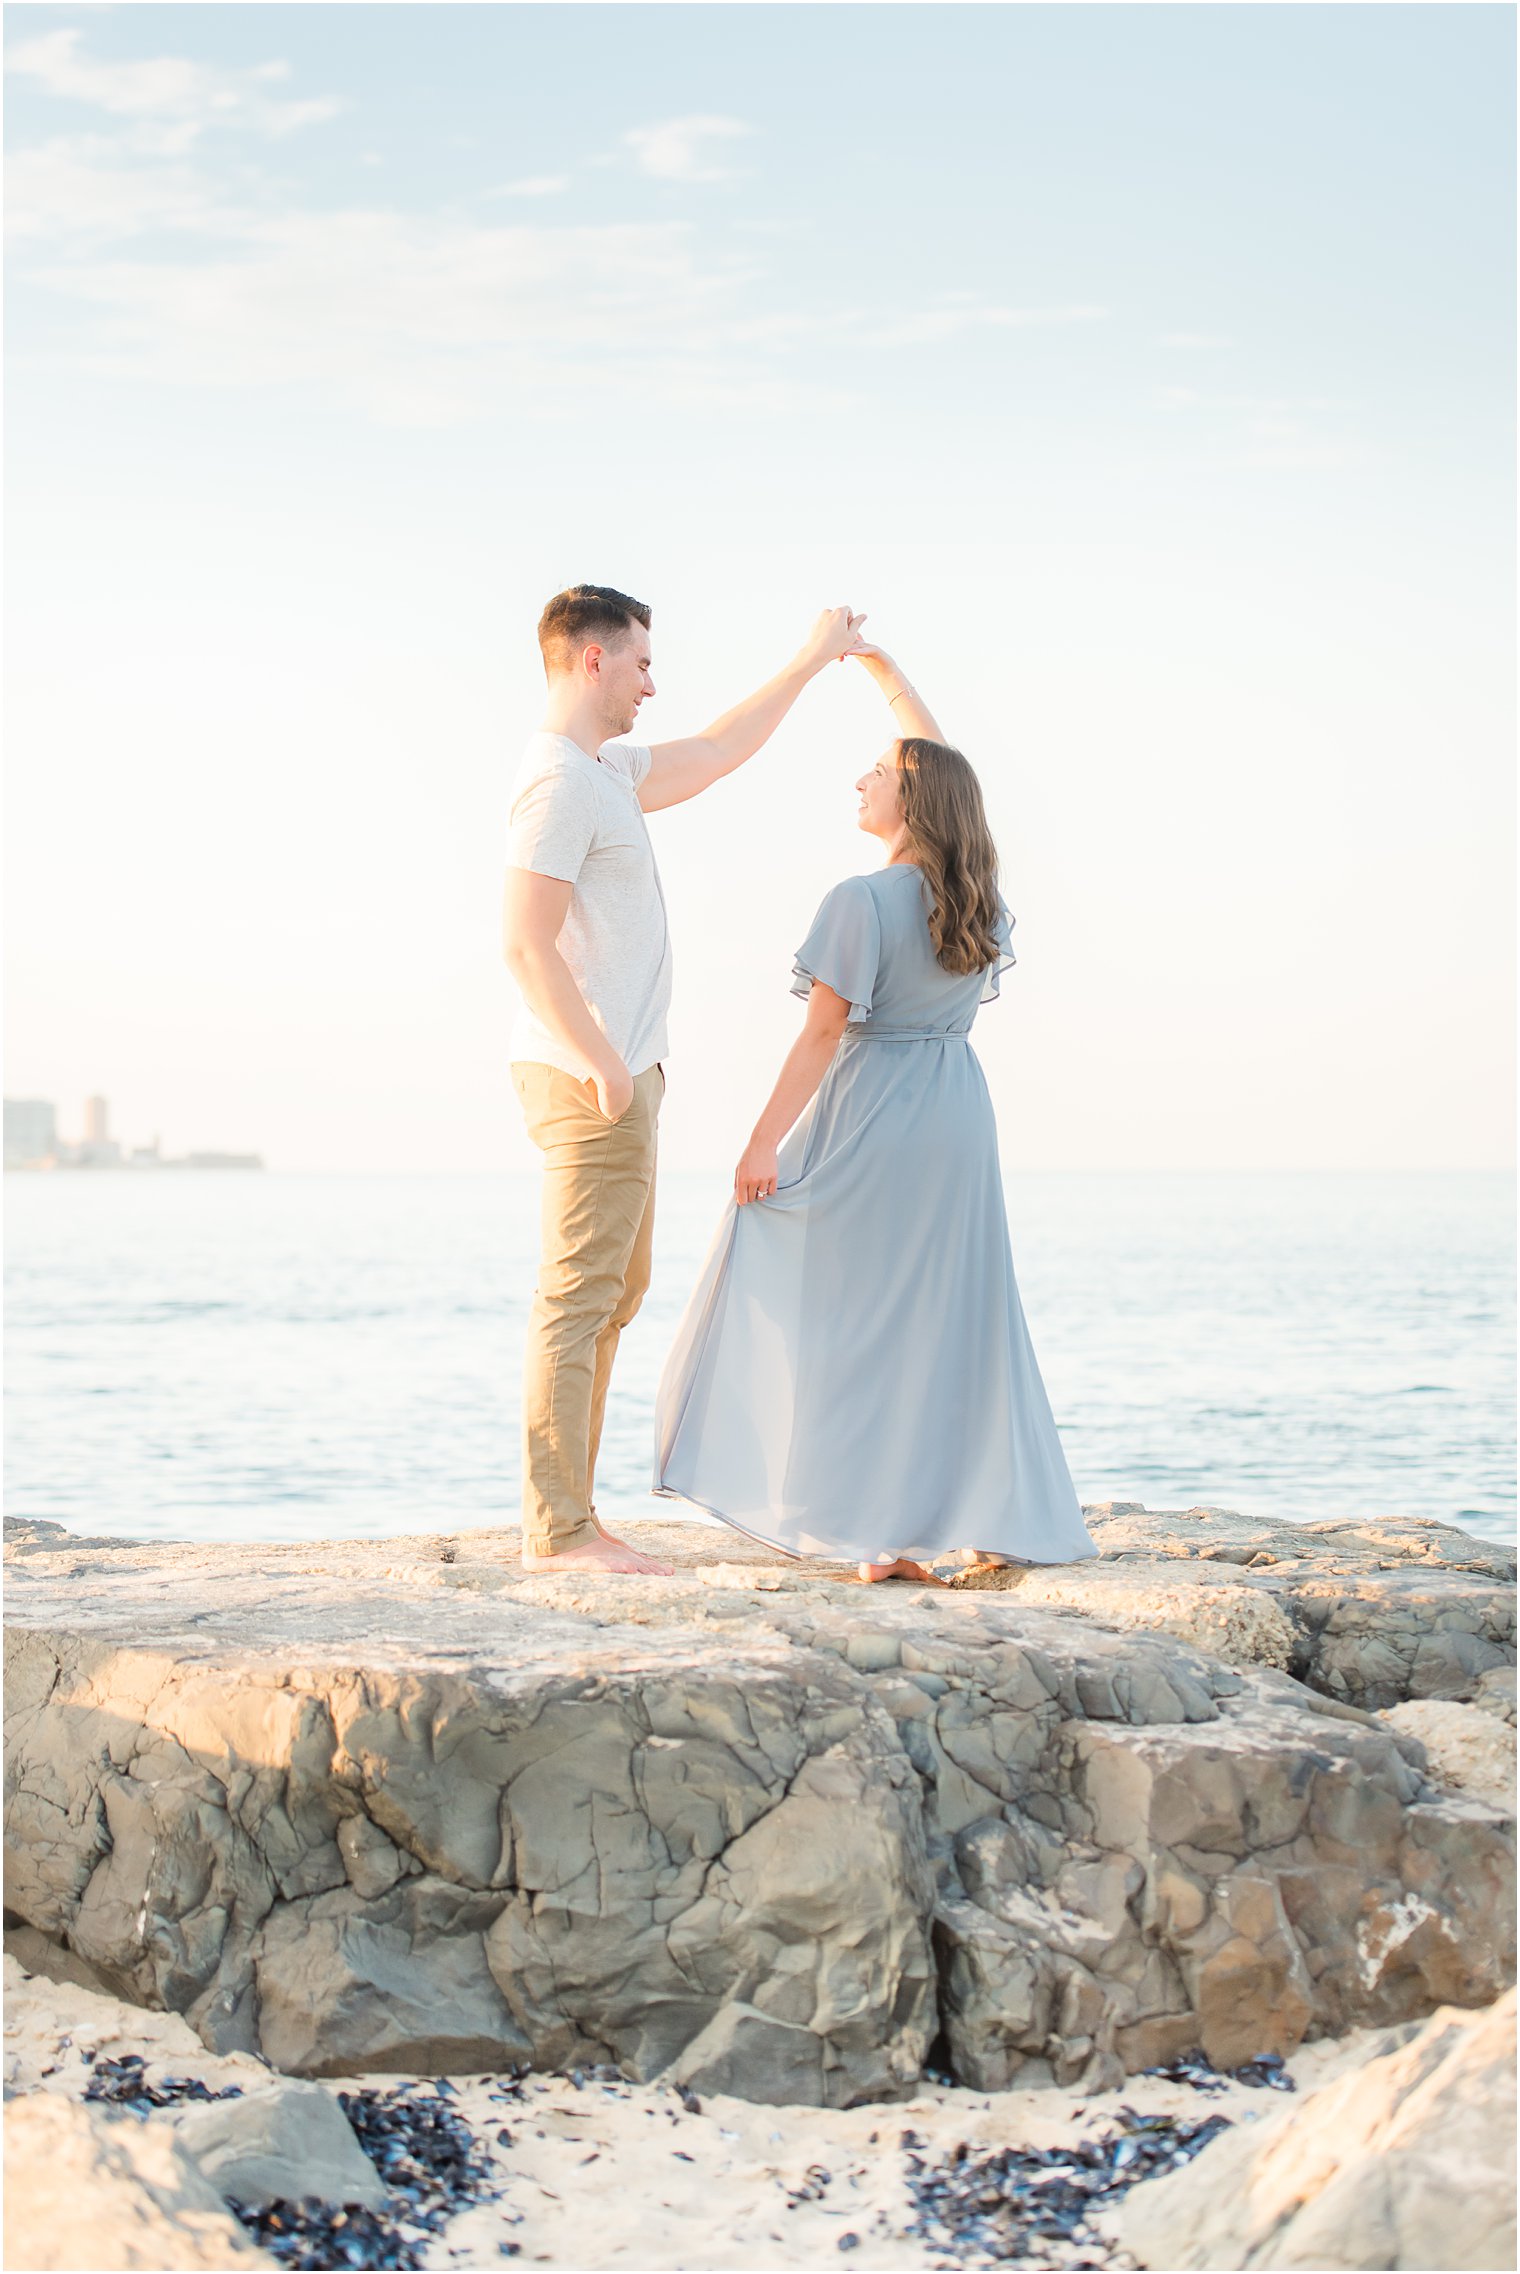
870, 1033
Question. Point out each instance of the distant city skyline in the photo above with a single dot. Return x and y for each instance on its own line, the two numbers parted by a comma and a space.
1145, 372
32, 1141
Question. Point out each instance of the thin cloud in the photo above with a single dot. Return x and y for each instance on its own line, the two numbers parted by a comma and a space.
1267, 432
1287, 445
178, 96
425, 321
533, 185
680, 149
1263, 408
78, 191
176, 273
965, 314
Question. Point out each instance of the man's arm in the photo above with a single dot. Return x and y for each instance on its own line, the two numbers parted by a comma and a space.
535, 912
680, 770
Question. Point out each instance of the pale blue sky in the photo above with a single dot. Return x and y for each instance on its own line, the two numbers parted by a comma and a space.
1144, 371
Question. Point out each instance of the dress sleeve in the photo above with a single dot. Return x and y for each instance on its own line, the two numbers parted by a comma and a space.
1005, 955
843, 948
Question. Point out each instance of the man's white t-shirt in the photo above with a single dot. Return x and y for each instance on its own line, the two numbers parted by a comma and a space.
579, 819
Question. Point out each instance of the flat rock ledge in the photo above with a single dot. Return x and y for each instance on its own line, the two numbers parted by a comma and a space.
397, 1806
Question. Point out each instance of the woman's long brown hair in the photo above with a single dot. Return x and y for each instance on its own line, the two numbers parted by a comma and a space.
947, 826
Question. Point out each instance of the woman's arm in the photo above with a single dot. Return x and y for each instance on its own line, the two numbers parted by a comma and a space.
911, 713
805, 1065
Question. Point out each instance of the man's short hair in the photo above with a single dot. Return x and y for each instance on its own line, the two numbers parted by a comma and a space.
584, 613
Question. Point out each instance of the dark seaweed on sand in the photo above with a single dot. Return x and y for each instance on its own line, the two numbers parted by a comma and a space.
1034, 2204
1267, 2069
431, 2166
124, 2083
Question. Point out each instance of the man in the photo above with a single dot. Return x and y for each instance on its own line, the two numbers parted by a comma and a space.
587, 943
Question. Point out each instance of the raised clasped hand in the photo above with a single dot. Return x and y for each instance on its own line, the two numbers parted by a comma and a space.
835, 635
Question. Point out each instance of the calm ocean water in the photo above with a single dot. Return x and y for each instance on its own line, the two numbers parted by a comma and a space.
225, 1356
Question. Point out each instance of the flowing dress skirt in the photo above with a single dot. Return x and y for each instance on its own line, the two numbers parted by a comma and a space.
853, 1373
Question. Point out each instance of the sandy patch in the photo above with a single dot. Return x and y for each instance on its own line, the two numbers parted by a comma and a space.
609, 2174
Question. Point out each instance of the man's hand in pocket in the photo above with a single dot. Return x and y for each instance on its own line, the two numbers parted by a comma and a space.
613, 1092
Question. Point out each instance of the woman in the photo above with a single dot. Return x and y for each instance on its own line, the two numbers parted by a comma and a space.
853, 1375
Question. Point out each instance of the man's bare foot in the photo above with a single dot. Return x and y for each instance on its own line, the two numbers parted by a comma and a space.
901, 1567
604, 1553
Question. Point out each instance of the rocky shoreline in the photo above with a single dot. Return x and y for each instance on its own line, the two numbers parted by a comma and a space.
755, 1836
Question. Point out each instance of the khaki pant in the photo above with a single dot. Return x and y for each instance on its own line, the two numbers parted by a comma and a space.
598, 1237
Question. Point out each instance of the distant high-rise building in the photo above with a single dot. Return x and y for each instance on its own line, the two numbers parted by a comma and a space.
97, 1149
31, 1132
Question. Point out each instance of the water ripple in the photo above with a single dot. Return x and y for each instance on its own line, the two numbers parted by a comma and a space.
302, 1356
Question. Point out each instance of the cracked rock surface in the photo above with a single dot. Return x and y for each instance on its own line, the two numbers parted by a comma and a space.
1375, 1612
397, 1806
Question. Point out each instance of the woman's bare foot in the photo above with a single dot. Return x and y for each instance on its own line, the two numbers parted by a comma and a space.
603, 1553
983, 1559
900, 1567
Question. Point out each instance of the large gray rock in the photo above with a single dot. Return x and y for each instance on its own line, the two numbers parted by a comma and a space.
353, 1806
259, 2137
1495, 1694
1374, 1612
1405, 2162
283, 2141
93, 2193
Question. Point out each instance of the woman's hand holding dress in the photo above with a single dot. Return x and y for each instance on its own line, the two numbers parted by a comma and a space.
755, 1177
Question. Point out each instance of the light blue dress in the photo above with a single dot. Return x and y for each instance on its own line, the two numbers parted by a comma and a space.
853, 1373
